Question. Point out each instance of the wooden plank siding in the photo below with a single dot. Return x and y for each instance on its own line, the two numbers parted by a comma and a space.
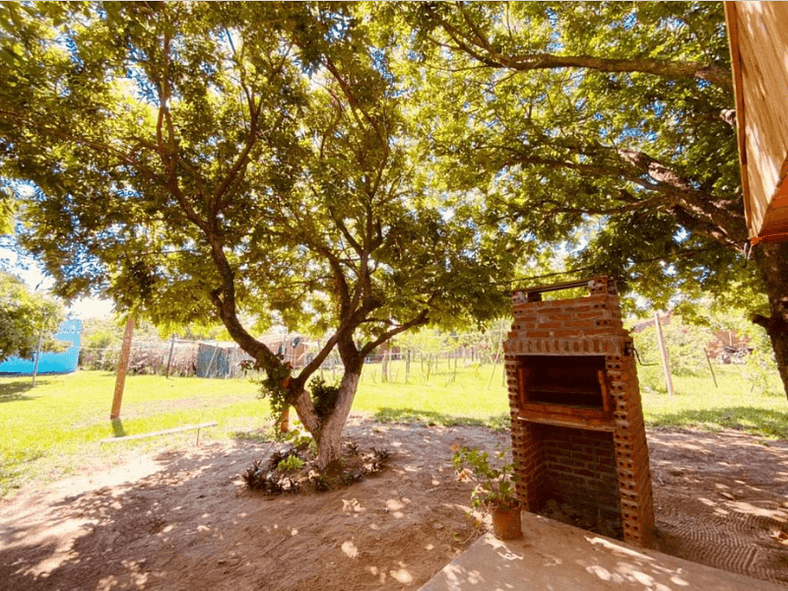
758, 35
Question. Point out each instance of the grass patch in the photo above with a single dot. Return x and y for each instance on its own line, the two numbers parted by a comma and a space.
47, 429
430, 418
698, 404
473, 395
477, 396
65, 416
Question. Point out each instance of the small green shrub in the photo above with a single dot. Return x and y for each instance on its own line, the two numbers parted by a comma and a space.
291, 463
271, 384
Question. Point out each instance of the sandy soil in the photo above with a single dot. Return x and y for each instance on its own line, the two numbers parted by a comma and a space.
722, 500
183, 519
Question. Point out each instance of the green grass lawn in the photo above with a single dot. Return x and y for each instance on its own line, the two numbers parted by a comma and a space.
473, 394
479, 395
66, 415
45, 430
733, 404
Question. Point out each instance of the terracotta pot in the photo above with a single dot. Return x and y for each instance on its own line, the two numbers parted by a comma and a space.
506, 523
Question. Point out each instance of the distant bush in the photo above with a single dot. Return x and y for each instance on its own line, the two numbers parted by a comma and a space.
684, 342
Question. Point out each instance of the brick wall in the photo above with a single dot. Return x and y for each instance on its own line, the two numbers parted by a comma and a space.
580, 469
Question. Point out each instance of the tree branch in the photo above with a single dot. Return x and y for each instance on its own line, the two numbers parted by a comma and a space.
478, 46
644, 171
313, 365
420, 319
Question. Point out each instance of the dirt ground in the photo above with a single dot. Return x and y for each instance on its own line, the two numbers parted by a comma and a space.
183, 519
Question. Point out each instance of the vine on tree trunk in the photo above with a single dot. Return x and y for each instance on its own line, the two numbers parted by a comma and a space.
275, 385
324, 397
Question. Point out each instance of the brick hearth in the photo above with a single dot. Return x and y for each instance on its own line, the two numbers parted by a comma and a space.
577, 424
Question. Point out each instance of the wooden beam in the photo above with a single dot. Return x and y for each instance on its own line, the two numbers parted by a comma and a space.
732, 23
169, 359
664, 351
157, 433
573, 423
568, 412
38, 357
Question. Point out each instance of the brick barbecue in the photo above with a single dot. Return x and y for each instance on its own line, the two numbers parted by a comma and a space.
578, 436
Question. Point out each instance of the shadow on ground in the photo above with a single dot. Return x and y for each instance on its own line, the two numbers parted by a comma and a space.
756, 421
719, 499
187, 522
130, 536
16, 391
430, 418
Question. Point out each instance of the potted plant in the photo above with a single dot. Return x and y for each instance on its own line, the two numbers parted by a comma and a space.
494, 491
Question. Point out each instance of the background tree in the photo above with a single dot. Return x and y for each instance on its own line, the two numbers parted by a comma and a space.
615, 118
9, 248
198, 160
26, 318
684, 342
6, 211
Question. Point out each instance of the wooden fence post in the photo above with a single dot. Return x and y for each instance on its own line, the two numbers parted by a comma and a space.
711, 369
384, 363
123, 365
284, 420
498, 352
38, 356
665, 360
169, 359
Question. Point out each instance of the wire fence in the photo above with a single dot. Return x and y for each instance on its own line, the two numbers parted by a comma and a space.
419, 355
225, 359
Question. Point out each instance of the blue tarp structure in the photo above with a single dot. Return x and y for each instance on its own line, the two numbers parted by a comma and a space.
213, 361
65, 362
219, 360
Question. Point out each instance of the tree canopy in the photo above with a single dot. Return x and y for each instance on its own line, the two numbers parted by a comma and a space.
607, 117
6, 212
606, 128
366, 168
197, 159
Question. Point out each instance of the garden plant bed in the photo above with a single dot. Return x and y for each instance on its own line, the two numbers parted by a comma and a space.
184, 519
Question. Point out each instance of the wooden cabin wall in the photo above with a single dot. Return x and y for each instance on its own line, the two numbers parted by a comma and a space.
758, 33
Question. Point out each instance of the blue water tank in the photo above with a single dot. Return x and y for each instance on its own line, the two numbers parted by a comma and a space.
65, 362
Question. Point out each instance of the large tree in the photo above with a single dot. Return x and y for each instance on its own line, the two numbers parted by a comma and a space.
196, 159
607, 126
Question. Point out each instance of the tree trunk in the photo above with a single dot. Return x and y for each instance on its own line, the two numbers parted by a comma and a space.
306, 413
772, 260
284, 420
329, 443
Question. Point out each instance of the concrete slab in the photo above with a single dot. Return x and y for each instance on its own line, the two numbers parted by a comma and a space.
553, 556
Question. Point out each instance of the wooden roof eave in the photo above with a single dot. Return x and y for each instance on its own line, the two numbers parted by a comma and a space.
773, 225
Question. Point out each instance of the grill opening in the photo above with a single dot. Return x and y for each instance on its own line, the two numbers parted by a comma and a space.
566, 381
